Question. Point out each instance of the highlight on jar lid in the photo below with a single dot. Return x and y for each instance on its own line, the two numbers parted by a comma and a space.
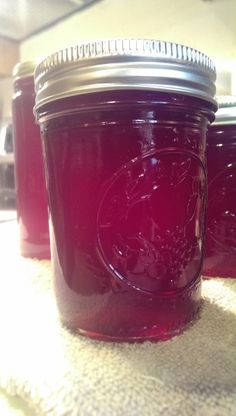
24, 69
226, 113
119, 64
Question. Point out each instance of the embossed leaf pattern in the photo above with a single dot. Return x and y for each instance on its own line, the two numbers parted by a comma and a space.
149, 242
222, 213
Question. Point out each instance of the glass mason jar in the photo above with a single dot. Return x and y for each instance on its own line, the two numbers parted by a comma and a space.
31, 192
123, 125
220, 254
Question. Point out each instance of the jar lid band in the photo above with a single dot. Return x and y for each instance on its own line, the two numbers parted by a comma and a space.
24, 69
226, 113
119, 64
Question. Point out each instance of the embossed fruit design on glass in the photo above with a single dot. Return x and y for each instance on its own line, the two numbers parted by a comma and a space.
220, 254
31, 193
125, 158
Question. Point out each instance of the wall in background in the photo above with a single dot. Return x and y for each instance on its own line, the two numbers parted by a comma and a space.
205, 25
10, 55
6, 91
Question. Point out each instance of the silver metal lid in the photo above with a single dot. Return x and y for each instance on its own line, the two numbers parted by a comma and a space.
24, 69
226, 113
120, 64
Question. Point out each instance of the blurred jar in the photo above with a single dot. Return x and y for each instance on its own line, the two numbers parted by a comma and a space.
30, 178
7, 178
220, 250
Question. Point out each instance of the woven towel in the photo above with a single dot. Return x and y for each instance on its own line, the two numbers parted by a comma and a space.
59, 374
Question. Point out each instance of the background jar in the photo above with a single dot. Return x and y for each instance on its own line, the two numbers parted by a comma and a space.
124, 125
220, 253
32, 208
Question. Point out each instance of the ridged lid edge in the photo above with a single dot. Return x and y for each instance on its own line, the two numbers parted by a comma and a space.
125, 47
125, 64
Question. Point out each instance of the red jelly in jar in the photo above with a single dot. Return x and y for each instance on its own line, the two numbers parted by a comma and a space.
220, 253
124, 125
31, 193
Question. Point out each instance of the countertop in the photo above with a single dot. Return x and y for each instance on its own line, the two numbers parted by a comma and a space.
45, 370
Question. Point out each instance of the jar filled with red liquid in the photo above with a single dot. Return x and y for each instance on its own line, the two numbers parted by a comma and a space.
124, 125
31, 193
220, 250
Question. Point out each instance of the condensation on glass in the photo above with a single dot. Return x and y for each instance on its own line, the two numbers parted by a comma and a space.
124, 125
31, 194
220, 253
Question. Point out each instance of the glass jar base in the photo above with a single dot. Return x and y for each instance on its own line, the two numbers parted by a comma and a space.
167, 317
37, 251
223, 266
152, 334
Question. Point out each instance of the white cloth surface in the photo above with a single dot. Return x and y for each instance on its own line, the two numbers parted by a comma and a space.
59, 374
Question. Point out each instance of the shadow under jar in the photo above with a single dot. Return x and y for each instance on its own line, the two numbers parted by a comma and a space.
32, 205
220, 253
123, 125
